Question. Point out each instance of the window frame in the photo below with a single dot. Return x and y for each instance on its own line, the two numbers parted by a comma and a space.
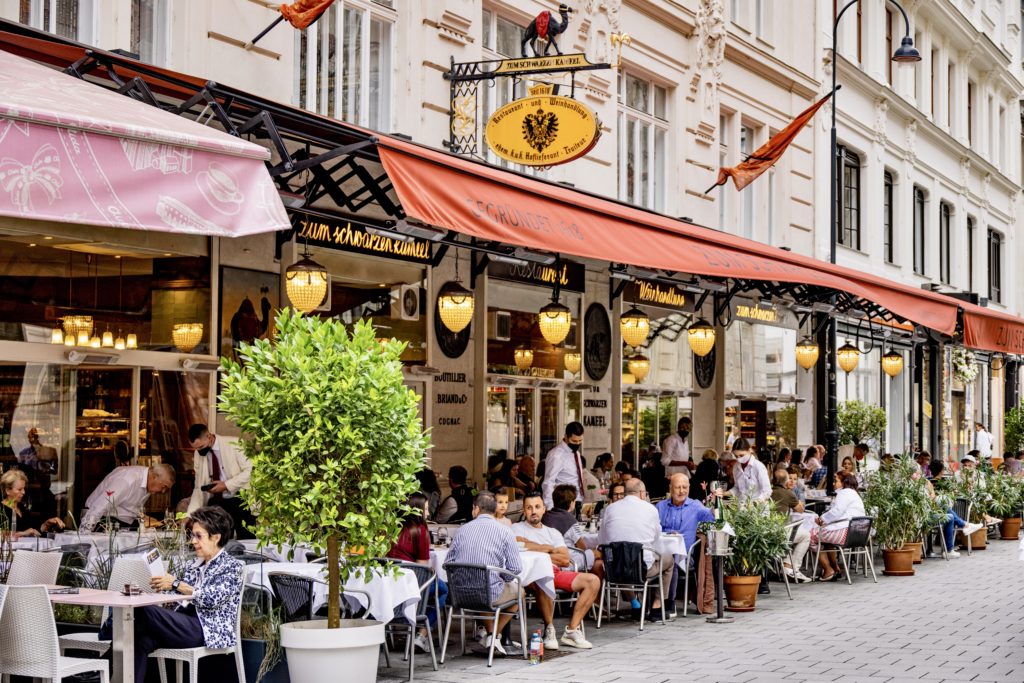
647, 124
971, 225
161, 38
86, 24
995, 266
920, 229
848, 234
945, 242
888, 234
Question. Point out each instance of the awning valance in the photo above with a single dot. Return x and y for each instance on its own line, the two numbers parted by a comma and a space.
74, 152
990, 330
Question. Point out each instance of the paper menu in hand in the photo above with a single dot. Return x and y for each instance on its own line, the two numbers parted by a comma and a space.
155, 563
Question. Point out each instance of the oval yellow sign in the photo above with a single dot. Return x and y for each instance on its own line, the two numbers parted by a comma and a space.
542, 131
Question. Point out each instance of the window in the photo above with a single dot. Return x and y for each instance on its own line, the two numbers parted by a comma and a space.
149, 30
1001, 127
970, 113
970, 253
502, 38
747, 196
771, 207
763, 16
355, 41
860, 33
934, 85
944, 242
919, 231
995, 266
889, 51
723, 160
991, 132
918, 77
643, 130
887, 223
72, 19
951, 86
848, 198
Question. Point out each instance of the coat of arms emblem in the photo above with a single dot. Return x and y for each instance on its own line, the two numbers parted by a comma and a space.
540, 129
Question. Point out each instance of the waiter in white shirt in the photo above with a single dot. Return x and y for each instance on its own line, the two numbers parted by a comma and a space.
675, 450
222, 470
563, 465
750, 474
982, 440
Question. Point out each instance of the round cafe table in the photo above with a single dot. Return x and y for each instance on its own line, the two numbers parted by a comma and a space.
536, 568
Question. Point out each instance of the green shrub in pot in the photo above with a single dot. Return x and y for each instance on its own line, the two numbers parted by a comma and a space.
897, 497
760, 538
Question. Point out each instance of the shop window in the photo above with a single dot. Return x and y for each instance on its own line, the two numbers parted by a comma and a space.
642, 134
74, 19
150, 25
512, 326
352, 40
760, 359
497, 421
995, 266
848, 198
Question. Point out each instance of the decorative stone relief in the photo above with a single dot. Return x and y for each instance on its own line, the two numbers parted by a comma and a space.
825, 120
965, 174
711, 35
911, 141
454, 27
1014, 204
881, 117
986, 182
601, 18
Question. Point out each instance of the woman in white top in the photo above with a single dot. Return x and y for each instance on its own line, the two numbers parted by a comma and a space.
834, 523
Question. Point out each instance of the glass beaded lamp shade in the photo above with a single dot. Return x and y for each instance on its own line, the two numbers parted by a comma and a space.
75, 324
572, 362
455, 305
639, 366
306, 283
701, 336
635, 326
187, 336
807, 353
555, 319
892, 363
848, 356
524, 359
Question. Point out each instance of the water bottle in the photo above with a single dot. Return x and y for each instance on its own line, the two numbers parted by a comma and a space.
536, 648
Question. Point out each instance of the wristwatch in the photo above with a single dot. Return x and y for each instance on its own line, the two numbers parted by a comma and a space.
175, 584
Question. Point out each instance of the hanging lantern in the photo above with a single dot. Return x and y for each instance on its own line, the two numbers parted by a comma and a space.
75, 325
83, 338
572, 362
187, 336
555, 320
639, 366
848, 356
119, 343
56, 336
892, 363
69, 340
455, 305
108, 339
94, 342
132, 341
524, 359
701, 336
635, 326
807, 353
306, 283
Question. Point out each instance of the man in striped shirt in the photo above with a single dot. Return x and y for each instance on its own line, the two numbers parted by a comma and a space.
486, 541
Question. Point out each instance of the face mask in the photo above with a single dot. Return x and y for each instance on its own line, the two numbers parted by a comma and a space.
205, 451
574, 447
744, 459
683, 433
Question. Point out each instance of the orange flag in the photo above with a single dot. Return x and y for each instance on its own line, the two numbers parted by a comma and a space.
302, 13
765, 156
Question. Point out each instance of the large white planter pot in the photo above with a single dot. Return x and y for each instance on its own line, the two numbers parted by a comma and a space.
316, 653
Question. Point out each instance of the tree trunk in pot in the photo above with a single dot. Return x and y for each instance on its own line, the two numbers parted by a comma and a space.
741, 592
898, 562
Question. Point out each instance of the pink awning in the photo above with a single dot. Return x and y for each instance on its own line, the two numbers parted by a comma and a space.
74, 152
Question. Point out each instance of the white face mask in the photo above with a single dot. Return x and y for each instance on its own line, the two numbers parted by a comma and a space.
744, 459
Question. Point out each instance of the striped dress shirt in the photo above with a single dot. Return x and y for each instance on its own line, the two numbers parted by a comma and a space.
487, 541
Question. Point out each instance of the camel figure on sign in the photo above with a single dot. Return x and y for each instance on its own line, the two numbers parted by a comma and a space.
545, 27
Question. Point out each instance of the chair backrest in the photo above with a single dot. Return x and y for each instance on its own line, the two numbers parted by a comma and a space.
962, 507
29, 568
74, 555
294, 595
469, 586
129, 570
624, 562
425, 578
251, 558
28, 634
859, 532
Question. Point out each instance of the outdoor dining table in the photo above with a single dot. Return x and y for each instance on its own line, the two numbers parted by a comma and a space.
35, 544
666, 544
123, 609
386, 592
272, 553
536, 568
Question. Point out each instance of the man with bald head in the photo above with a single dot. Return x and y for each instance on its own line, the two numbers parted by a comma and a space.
681, 514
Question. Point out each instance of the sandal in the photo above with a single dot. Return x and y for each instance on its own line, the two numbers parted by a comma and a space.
829, 579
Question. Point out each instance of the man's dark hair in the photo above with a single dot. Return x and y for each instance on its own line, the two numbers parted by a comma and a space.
486, 502
925, 454
457, 474
574, 429
975, 452
215, 520
564, 496
740, 444
683, 421
197, 431
622, 466
611, 489
849, 481
936, 466
863, 447
533, 494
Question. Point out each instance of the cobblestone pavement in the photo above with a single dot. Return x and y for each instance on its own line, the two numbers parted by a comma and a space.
959, 620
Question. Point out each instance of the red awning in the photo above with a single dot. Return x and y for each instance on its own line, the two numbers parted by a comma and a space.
493, 204
990, 330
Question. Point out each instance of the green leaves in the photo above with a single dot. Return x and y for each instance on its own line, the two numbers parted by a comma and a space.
760, 536
859, 421
1013, 429
898, 500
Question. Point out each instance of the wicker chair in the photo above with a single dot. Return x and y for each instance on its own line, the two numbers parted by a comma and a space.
125, 570
469, 592
426, 578
294, 594
634, 581
192, 655
29, 568
28, 639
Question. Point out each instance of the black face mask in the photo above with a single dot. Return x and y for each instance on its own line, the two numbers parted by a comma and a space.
574, 447
205, 451
683, 433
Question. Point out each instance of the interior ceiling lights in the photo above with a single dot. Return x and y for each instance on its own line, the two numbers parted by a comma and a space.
892, 363
187, 336
572, 362
848, 356
701, 336
524, 359
635, 326
639, 366
807, 352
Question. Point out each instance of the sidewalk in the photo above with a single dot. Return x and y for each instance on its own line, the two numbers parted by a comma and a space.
954, 621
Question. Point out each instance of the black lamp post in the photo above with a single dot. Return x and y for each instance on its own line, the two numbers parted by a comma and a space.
905, 53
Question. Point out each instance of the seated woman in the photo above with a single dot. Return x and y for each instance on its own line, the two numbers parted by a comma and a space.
834, 523
413, 545
23, 520
707, 472
214, 584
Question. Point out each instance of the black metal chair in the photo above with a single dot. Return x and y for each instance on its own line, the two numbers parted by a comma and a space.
294, 595
962, 507
857, 544
618, 578
469, 592
399, 624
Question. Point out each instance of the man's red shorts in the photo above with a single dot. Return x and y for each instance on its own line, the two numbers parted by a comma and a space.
564, 579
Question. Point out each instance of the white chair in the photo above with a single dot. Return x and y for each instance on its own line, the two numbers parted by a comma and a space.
125, 570
29, 568
192, 655
28, 640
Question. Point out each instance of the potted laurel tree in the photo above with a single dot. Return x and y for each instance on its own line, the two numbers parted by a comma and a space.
335, 442
899, 502
760, 539
1005, 501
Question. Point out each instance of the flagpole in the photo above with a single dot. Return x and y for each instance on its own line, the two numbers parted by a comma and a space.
264, 32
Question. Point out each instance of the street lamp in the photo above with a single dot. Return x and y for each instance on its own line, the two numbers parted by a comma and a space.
906, 53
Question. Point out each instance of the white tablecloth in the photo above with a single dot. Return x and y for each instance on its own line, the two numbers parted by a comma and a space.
33, 544
536, 568
386, 592
666, 544
299, 554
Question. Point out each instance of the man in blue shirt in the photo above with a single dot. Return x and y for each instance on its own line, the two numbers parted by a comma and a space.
681, 514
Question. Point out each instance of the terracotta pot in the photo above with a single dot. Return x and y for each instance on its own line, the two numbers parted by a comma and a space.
1009, 530
979, 539
918, 550
741, 593
898, 562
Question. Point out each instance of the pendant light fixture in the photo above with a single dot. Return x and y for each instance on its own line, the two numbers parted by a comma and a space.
701, 336
306, 283
555, 320
455, 303
572, 361
56, 336
78, 327
187, 336
892, 363
119, 343
848, 356
639, 366
524, 359
807, 352
635, 326
132, 341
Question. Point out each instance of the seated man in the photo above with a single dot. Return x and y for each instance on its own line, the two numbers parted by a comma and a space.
787, 503
457, 507
681, 514
635, 520
561, 519
485, 541
544, 539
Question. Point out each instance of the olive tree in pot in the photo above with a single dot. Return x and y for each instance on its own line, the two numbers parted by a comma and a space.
335, 441
760, 539
897, 498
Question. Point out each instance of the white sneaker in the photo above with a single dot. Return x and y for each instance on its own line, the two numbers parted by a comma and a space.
486, 644
802, 578
420, 643
970, 528
481, 633
952, 553
575, 639
550, 638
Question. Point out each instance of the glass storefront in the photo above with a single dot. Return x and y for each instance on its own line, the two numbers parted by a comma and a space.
512, 326
761, 376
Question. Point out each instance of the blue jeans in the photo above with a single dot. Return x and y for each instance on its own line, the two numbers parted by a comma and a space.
442, 596
952, 523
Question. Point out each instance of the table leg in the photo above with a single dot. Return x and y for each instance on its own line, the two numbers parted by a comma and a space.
124, 645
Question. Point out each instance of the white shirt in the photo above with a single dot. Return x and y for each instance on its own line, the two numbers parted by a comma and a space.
235, 471
845, 505
543, 535
561, 466
631, 519
983, 443
127, 499
591, 487
674, 448
752, 483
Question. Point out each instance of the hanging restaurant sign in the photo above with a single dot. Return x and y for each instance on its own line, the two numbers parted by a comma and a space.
569, 275
661, 295
763, 314
544, 130
545, 64
348, 235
